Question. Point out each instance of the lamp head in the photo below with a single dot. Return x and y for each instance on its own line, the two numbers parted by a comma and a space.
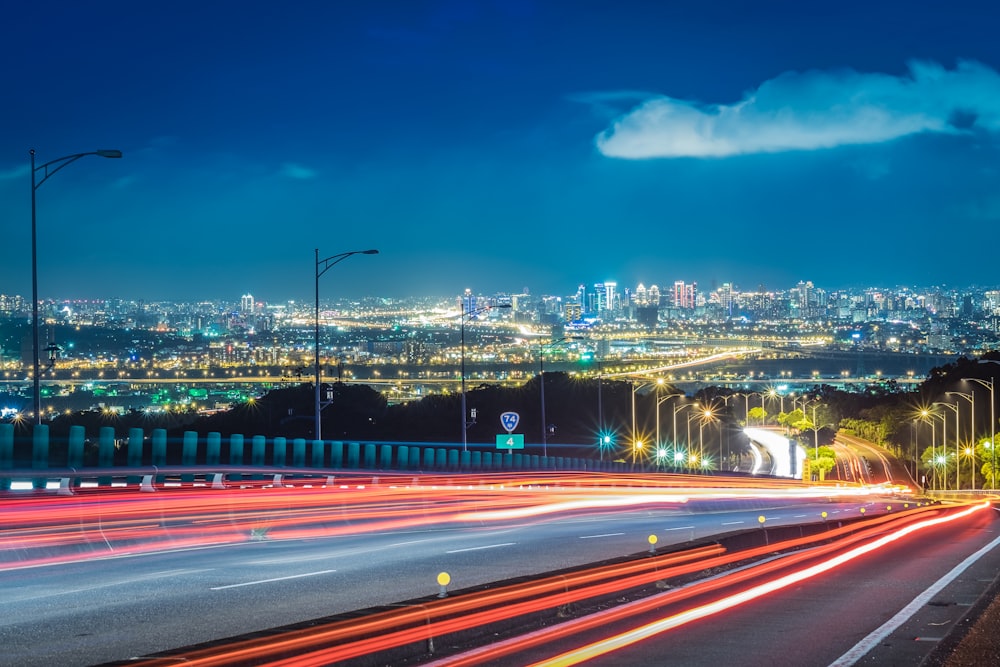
109, 152
363, 252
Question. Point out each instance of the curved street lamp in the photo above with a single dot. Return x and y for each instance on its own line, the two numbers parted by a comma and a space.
991, 385
635, 439
48, 169
322, 266
659, 402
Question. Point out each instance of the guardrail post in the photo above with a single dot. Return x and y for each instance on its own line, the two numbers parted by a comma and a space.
441, 458
74, 450
318, 454
336, 454
159, 438
236, 453
189, 453
40, 452
385, 457
299, 453
487, 459
105, 452
353, 455
476, 460
414, 458
403, 457
428, 458
258, 449
453, 459
6, 453
213, 448
135, 436
280, 452
369, 456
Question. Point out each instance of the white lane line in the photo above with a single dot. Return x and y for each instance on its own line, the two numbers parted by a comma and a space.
681, 528
875, 638
122, 582
731, 523
490, 546
268, 581
299, 559
590, 537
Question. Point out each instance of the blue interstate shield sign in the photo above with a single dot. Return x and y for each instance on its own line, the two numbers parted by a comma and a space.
509, 421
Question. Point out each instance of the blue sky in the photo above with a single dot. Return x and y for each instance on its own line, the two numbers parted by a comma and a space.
498, 145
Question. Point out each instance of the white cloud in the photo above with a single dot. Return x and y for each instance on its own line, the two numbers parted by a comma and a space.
812, 110
292, 170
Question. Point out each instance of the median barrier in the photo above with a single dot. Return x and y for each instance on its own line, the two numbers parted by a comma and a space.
34, 447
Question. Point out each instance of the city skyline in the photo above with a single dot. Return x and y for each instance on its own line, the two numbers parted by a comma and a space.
494, 146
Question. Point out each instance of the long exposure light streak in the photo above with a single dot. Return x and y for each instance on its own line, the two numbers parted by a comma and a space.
623, 640
843, 536
343, 640
47, 529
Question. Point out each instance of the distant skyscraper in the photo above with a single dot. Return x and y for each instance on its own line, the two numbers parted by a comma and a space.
653, 295
684, 295
600, 298
247, 304
639, 296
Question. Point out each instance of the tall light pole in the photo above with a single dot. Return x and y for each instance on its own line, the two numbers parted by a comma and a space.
322, 266
676, 410
48, 169
635, 388
815, 434
659, 401
971, 398
930, 415
466, 315
958, 449
993, 424
706, 415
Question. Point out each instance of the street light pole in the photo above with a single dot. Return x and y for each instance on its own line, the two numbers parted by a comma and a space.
659, 401
957, 446
993, 421
322, 266
971, 398
815, 434
48, 169
676, 410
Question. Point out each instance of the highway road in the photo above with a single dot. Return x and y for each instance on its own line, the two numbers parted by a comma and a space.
107, 608
891, 607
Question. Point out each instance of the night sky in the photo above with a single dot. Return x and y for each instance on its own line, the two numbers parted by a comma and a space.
498, 145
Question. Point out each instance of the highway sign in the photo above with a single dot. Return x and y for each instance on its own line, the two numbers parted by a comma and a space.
510, 441
509, 421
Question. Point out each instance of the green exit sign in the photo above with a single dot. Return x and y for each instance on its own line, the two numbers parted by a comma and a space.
510, 441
